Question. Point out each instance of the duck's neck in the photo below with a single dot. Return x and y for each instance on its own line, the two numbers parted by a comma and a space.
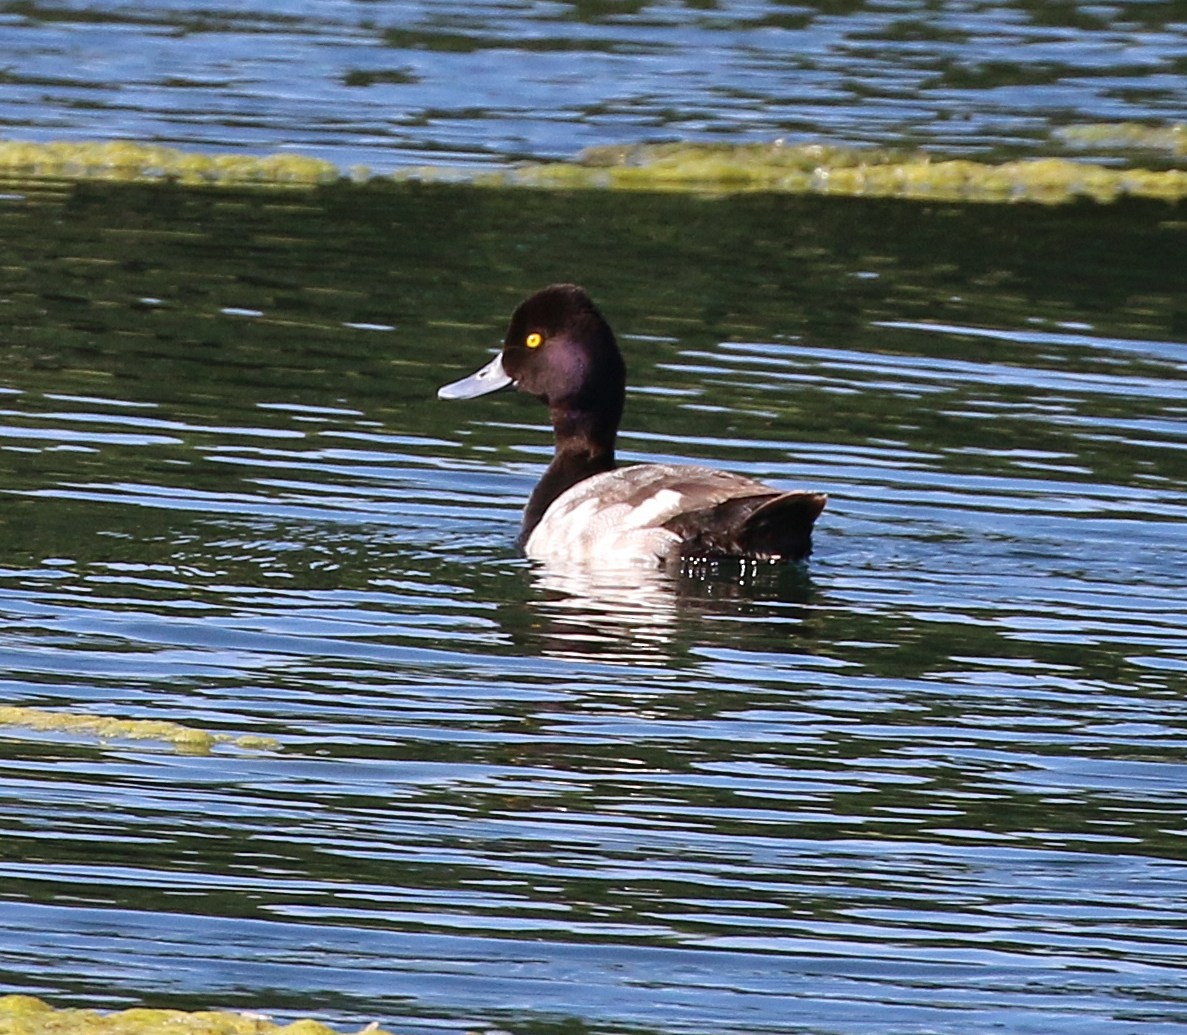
584, 447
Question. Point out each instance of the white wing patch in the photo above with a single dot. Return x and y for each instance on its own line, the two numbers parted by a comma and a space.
665, 504
616, 518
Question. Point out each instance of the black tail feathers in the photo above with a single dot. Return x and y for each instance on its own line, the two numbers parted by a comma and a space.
774, 526
782, 527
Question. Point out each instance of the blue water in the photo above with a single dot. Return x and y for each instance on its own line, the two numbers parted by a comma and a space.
386, 84
930, 781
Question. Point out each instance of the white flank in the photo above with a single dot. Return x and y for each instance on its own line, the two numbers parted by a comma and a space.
616, 518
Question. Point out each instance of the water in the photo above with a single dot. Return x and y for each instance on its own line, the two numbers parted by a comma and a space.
391, 84
933, 779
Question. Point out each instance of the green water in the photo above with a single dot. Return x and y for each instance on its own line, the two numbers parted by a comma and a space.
931, 780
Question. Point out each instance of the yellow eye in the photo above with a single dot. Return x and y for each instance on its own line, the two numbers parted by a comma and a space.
534, 340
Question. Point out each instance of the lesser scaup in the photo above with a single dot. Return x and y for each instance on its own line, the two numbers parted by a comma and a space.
560, 349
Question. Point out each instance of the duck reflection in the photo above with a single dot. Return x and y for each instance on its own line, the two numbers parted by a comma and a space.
647, 614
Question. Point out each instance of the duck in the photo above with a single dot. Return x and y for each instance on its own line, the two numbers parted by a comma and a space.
588, 510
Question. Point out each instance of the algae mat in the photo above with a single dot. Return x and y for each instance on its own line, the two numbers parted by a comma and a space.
184, 738
844, 172
779, 167
27, 1015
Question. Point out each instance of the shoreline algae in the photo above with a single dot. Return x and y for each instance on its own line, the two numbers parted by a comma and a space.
184, 738
130, 161
1127, 136
831, 170
708, 169
28, 1015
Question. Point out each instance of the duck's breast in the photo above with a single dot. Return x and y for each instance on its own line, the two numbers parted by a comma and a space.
617, 517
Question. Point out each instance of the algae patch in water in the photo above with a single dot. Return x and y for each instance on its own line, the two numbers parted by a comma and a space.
1127, 137
26, 1015
712, 169
825, 169
130, 161
183, 738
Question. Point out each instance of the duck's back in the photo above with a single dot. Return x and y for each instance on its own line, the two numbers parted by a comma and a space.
653, 512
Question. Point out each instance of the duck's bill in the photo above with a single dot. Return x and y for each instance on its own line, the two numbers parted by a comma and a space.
490, 378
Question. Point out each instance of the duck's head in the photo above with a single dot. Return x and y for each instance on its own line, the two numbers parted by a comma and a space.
559, 348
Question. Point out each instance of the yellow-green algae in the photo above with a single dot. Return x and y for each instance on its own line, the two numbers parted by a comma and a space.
693, 168
129, 161
824, 169
184, 738
1128, 136
27, 1015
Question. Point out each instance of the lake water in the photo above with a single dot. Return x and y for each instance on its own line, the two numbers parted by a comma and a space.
931, 781
389, 84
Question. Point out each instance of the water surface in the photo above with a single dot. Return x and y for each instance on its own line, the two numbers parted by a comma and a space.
932, 780
390, 84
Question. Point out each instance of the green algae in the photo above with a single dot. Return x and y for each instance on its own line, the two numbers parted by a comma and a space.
185, 739
832, 170
778, 167
130, 161
27, 1015
1127, 137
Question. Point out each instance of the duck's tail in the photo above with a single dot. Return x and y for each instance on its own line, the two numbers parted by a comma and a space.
782, 527
770, 526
